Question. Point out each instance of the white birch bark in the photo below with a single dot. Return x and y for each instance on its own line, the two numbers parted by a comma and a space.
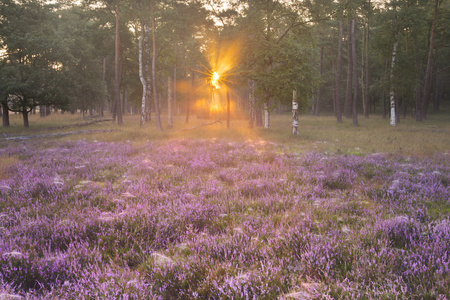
294, 113
391, 77
266, 116
144, 83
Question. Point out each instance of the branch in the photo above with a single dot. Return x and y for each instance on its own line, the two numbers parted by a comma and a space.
441, 70
293, 25
216, 14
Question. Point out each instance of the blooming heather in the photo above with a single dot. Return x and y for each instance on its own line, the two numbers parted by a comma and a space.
218, 219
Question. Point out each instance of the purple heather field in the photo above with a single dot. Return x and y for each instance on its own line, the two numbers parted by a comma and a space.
219, 219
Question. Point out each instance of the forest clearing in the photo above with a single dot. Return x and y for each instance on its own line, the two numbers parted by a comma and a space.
213, 214
224, 149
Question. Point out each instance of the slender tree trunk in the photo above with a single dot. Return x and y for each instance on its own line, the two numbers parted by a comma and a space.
363, 69
383, 103
367, 65
190, 98
338, 74
169, 102
319, 88
141, 76
348, 92
228, 107
391, 77
266, 114
105, 89
117, 104
333, 70
428, 73
175, 89
418, 95
403, 105
155, 94
258, 114
148, 80
5, 115
355, 76
294, 113
124, 102
251, 102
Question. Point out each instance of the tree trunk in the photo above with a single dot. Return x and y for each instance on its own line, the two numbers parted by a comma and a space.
403, 105
266, 114
338, 74
319, 88
169, 102
258, 115
418, 95
105, 89
228, 107
391, 77
26, 124
386, 66
190, 98
428, 73
155, 94
118, 111
294, 113
251, 102
367, 83
175, 89
5, 115
141, 76
124, 102
348, 92
355, 76
148, 95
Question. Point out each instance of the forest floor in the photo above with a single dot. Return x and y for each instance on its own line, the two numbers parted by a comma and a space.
320, 134
205, 212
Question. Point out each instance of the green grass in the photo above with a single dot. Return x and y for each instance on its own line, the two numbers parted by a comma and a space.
322, 134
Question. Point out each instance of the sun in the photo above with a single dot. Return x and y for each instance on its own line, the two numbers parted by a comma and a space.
215, 80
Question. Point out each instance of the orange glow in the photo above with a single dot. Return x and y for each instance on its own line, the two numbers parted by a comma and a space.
215, 80
222, 59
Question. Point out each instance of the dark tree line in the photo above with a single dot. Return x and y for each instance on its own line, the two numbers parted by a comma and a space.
341, 57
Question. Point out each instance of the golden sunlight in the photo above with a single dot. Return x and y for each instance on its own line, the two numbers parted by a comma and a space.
215, 80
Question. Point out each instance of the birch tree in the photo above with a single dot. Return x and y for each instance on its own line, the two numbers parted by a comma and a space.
391, 77
142, 77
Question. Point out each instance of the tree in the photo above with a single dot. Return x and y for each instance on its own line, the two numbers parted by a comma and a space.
117, 102
355, 76
32, 67
278, 56
338, 74
428, 75
155, 94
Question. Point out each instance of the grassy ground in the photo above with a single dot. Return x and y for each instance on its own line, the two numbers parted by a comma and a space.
214, 213
321, 134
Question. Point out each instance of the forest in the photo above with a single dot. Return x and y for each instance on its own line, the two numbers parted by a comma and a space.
159, 57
